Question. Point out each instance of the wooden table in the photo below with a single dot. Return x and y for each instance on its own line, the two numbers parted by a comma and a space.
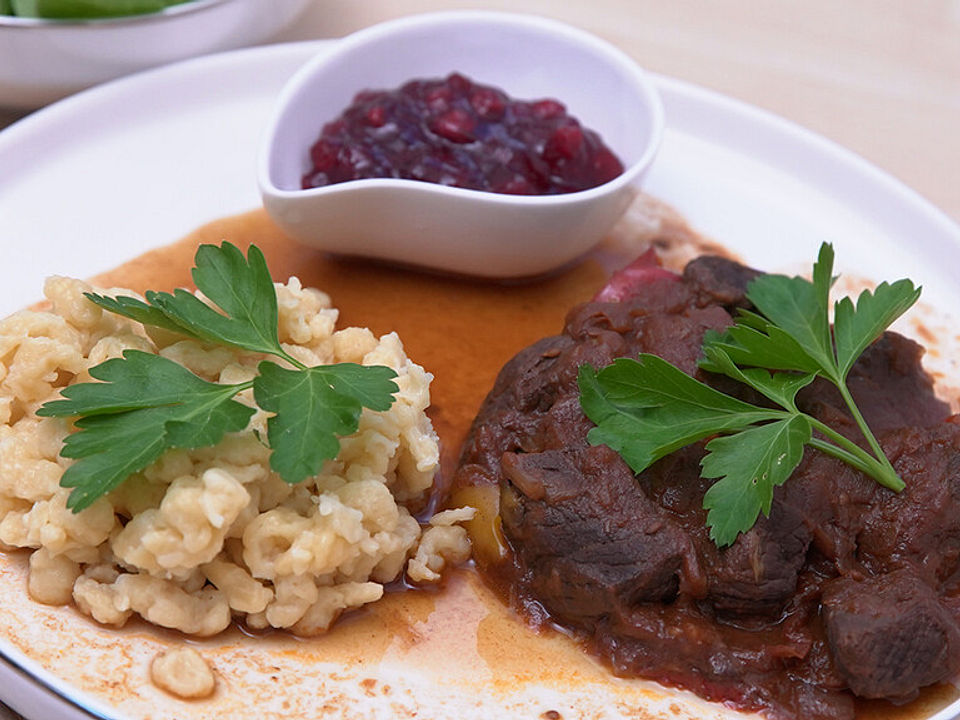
881, 77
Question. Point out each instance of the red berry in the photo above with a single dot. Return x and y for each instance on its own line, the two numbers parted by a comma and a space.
455, 132
606, 165
376, 116
438, 98
565, 142
459, 84
324, 156
455, 125
547, 109
364, 96
334, 128
517, 185
488, 103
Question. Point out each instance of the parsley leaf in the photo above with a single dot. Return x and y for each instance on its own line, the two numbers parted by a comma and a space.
137, 310
146, 404
856, 326
749, 465
312, 407
798, 308
648, 408
241, 288
757, 342
781, 387
136, 380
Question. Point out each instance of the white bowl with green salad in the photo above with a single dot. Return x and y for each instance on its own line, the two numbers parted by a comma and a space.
52, 48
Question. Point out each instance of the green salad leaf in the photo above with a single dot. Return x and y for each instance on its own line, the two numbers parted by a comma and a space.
82, 9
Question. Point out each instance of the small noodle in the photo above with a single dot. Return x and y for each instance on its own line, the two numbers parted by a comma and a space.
207, 536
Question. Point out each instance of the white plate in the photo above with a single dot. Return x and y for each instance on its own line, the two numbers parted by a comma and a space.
98, 178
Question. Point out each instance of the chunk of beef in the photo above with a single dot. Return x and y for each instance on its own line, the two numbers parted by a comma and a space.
889, 386
627, 560
530, 380
889, 634
674, 331
592, 544
758, 573
920, 526
720, 280
833, 500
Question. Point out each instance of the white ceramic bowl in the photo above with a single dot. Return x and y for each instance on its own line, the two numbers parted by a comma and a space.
43, 60
453, 229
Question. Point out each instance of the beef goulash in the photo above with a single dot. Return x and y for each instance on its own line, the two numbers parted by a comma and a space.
846, 589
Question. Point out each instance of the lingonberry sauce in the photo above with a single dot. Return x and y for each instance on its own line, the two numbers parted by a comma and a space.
454, 132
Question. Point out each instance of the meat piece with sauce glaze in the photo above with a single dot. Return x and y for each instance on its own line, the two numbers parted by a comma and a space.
790, 619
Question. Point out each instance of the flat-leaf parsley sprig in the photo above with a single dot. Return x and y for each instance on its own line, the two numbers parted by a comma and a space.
647, 408
146, 404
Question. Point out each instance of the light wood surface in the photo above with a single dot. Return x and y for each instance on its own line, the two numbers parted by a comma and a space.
881, 77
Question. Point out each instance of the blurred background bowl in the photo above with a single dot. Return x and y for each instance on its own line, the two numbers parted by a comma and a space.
42, 60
